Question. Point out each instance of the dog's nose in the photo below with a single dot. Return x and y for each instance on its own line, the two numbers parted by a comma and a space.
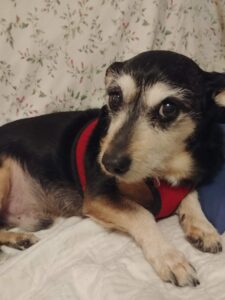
116, 164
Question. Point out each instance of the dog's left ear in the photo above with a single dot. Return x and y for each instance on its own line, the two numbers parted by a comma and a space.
216, 90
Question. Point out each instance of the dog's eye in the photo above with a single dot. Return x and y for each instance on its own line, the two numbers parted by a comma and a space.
115, 101
169, 109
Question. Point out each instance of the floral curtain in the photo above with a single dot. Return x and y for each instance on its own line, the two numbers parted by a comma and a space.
54, 53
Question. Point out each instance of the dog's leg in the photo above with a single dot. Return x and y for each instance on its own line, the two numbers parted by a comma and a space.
198, 230
130, 217
4, 184
18, 240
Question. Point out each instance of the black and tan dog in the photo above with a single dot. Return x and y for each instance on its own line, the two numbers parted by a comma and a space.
159, 126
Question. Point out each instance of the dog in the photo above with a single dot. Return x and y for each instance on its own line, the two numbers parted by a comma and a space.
158, 129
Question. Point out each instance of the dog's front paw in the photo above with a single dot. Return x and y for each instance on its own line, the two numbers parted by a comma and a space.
21, 240
202, 235
173, 267
25, 241
204, 239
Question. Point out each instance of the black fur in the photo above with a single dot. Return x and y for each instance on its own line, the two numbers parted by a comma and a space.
43, 144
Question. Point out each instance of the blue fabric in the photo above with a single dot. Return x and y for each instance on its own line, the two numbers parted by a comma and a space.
212, 199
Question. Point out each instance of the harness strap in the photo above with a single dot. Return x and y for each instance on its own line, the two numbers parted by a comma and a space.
170, 198
80, 151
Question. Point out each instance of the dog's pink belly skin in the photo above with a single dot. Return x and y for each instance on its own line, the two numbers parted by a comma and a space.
21, 209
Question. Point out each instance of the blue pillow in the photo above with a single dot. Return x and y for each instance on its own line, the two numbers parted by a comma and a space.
212, 199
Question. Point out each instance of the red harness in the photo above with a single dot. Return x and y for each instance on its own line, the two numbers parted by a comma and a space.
170, 196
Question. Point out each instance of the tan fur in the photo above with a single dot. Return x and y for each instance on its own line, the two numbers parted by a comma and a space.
128, 87
220, 99
125, 82
178, 167
107, 212
4, 183
154, 94
154, 154
110, 78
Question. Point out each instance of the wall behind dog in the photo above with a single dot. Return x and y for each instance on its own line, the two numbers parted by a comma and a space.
54, 53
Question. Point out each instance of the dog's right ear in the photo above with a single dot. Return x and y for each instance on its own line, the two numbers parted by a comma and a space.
113, 71
216, 91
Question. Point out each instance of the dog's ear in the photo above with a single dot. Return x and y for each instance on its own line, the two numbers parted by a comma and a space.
113, 71
216, 90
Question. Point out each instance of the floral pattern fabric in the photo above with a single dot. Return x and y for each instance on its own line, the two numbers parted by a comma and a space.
54, 53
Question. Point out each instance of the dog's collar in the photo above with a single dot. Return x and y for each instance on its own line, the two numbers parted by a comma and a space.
169, 196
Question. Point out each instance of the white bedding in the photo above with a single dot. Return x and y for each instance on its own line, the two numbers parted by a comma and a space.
78, 259
53, 56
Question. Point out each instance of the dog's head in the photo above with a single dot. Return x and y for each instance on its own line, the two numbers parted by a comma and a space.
156, 103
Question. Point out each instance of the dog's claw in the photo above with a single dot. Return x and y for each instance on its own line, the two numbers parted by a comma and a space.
190, 280
174, 268
195, 282
174, 279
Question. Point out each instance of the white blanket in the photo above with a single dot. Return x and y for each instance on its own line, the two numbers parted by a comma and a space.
78, 259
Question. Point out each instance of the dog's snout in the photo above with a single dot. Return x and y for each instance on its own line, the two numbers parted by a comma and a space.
119, 164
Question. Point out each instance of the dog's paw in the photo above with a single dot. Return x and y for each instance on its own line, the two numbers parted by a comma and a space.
26, 240
21, 241
205, 239
173, 267
202, 235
